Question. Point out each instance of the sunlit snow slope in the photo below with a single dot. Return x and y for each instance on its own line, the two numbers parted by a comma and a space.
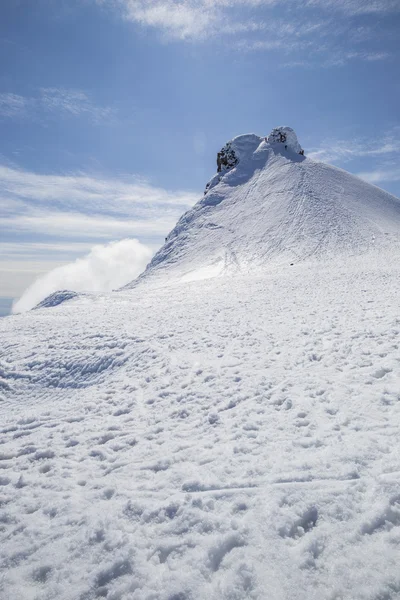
273, 208
227, 438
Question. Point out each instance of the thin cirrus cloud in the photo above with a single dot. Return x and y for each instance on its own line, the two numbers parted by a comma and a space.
77, 225
98, 207
13, 105
341, 151
45, 217
317, 26
95, 191
384, 153
381, 175
358, 7
56, 101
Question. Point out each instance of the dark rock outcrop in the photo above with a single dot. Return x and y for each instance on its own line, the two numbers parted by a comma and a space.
226, 158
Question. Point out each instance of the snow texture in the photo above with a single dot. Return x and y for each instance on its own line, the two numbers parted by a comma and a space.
223, 438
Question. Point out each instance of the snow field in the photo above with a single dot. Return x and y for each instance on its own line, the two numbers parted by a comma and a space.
226, 439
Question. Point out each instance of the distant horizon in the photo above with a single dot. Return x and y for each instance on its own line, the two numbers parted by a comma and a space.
5, 306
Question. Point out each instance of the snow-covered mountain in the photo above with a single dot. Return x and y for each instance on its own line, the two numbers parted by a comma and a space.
216, 437
270, 206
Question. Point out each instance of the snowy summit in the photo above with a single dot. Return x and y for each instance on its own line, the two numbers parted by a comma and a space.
227, 426
286, 136
269, 205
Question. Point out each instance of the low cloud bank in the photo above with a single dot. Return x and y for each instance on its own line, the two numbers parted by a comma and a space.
105, 268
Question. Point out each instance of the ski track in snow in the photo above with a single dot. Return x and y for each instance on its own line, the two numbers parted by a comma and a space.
225, 439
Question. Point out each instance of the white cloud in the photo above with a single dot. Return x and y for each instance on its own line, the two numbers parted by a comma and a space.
95, 192
73, 103
201, 19
77, 225
61, 214
60, 101
105, 268
339, 58
380, 175
12, 105
24, 250
358, 7
341, 151
179, 19
384, 152
277, 44
191, 19
300, 33
86, 207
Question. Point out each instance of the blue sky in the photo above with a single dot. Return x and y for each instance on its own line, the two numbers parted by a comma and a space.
112, 111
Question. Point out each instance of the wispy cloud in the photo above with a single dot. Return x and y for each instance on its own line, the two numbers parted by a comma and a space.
357, 7
342, 151
338, 58
57, 101
381, 153
89, 193
76, 225
318, 27
198, 18
381, 175
74, 103
13, 105
178, 19
44, 215
87, 206
59, 250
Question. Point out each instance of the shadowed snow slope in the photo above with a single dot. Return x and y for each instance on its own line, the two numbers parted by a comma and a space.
275, 207
227, 439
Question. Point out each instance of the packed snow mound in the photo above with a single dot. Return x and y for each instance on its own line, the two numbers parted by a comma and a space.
286, 136
241, 147
269, 206
238, 149
57, 298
